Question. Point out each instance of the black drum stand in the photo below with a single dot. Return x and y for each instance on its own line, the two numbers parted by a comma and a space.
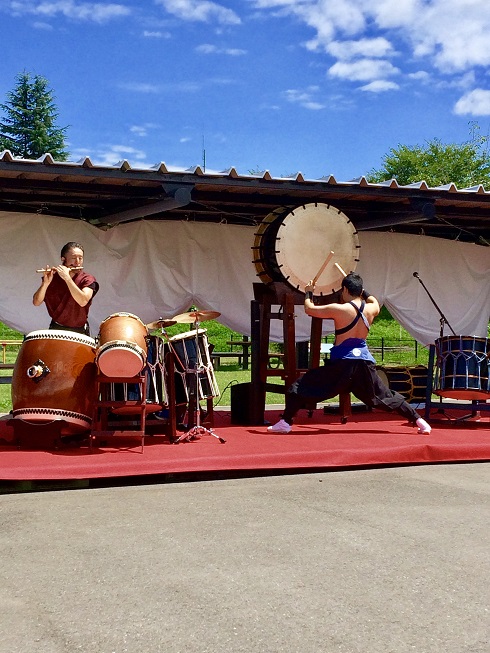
197, 430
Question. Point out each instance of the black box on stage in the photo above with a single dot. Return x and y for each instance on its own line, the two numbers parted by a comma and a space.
247, 405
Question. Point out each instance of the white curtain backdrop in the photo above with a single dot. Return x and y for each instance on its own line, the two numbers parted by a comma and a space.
158, 269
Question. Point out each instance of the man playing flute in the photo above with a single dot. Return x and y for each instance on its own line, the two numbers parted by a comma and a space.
68, 291
351, 366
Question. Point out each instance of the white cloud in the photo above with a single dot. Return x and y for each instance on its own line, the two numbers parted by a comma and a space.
453, 33
201, 11
466, 81
179, 87
304, 98
156, 34
345, 50
363, 70
420, 75
207, 48
450, 35
110, 155
99, 12
140, 87
142, 130
380, 86
41, 25
474, 103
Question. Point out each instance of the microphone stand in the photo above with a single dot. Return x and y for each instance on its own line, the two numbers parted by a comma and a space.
443, 319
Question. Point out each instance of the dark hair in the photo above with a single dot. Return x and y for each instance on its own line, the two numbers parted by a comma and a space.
66, 248
353, 284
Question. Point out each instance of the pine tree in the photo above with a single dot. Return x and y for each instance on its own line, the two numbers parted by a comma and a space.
28, 129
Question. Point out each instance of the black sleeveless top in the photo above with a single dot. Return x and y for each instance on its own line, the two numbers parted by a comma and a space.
360, 315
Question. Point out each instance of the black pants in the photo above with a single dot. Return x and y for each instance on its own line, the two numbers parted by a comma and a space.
85, 329
345, 375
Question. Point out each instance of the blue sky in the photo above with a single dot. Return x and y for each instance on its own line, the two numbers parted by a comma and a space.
313, 86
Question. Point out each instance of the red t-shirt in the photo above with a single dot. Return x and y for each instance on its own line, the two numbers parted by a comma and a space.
62, 308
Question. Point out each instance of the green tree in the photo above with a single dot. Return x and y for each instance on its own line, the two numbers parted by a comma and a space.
28, 129
466, 164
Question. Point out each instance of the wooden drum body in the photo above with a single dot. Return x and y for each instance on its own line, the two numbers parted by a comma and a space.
54, 379
291, 246
122, 346
463, 368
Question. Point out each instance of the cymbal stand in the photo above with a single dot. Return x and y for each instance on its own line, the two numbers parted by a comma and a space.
197, 431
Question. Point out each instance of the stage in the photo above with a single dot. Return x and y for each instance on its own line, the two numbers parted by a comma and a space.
318, 442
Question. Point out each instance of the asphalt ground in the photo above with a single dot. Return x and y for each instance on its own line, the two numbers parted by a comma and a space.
389, 560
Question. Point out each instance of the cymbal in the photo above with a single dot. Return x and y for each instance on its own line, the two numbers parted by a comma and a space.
160, 324
196, 316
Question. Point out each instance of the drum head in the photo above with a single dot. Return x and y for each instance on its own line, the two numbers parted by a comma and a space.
119, 358
305, 238
292, 246
185, 335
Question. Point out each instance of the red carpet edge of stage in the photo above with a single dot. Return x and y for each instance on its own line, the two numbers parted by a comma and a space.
367, 439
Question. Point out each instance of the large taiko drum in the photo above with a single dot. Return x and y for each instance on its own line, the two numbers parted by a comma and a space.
462, 368
122, 346
54, 379
188, 355
292, 245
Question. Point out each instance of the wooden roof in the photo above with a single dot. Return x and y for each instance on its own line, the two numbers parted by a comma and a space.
109, 195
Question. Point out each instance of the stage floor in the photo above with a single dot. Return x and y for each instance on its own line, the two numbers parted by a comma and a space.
320, 442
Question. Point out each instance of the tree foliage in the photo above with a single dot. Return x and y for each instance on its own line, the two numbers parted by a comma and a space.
28, 129
465, 164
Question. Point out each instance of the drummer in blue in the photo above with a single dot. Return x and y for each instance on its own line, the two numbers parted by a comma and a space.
351, 366
67, 290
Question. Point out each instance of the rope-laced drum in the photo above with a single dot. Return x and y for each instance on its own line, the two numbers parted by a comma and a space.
292, 245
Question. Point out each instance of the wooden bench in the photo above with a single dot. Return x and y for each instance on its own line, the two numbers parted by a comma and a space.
216, 357
7, 379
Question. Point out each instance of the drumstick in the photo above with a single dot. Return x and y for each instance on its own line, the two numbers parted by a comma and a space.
326, 262
344, 274
49, 269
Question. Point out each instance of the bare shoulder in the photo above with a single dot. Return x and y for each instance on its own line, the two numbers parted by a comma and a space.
329, 311
372, 306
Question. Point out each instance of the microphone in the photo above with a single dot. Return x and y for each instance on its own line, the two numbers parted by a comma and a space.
416, 275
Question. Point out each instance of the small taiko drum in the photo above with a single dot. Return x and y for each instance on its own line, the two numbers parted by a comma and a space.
463, 368
291, 245
54, 379
156, 383
122, 345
